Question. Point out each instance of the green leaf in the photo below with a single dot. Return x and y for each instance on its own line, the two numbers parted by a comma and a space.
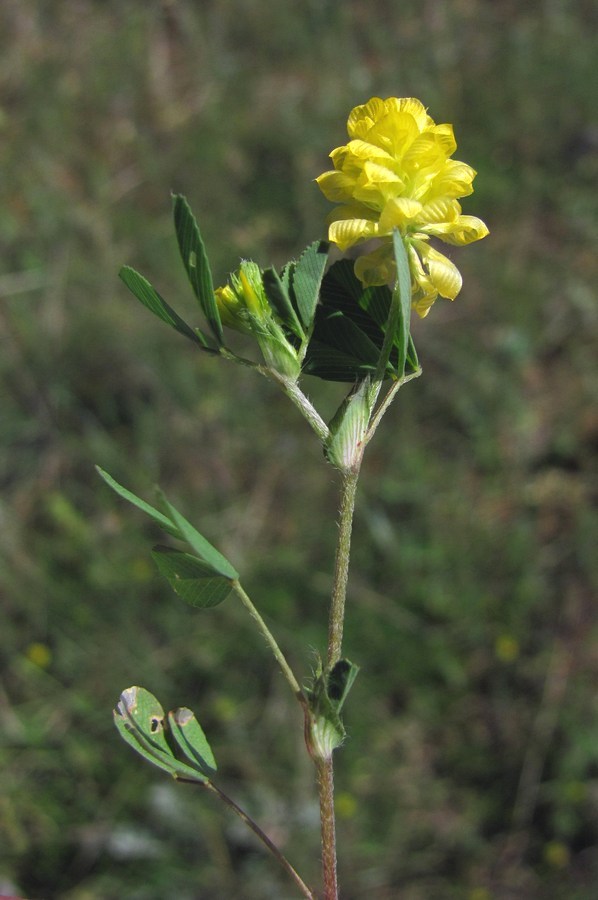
191, 739
341, 333
333, 365
196, 263
197, 542
307, 279
278, 297
332, 353
403, 286
192, 579
176, 525
139, 719
157, 516
143, 290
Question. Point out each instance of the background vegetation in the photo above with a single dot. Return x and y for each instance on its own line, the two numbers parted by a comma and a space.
472, 765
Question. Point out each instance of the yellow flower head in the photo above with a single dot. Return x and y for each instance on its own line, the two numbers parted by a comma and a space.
396, 172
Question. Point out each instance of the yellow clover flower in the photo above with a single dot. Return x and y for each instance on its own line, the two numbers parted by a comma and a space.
396, 172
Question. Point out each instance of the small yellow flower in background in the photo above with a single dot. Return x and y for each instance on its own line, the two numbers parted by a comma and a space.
39, 654
345, 805
396, 172
557, 854
506, 648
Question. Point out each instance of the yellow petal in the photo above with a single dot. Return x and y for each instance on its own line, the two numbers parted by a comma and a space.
426, 152
423, 304
336, 186
423, 291
443, 210
395, 133
353, 211
361, 118
399, 212
412, 106
455, 179
376, 185
463, 230
444, 274
357, 152
347, 232
445, 138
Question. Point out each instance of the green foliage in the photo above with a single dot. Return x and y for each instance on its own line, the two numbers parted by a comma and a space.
472, 593
350, 327
141, 722
196, 263
306, 280
399, 316
190, 738
202, 581
150, 298
191, 578
278, 296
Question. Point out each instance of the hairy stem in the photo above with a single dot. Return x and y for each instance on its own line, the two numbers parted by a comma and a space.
325, 767
341, 565
325, 772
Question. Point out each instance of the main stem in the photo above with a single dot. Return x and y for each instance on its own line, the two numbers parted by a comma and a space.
325, 773
341, 564
325, 767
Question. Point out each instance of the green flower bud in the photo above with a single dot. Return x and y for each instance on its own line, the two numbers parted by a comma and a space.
348, 429
243, 306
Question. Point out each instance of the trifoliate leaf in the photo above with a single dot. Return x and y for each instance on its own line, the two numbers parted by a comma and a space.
336, 351
177, 525
140, 721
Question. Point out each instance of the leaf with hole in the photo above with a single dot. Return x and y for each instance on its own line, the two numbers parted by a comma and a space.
139, 718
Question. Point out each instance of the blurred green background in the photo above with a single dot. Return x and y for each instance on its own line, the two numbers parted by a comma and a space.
472, 765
